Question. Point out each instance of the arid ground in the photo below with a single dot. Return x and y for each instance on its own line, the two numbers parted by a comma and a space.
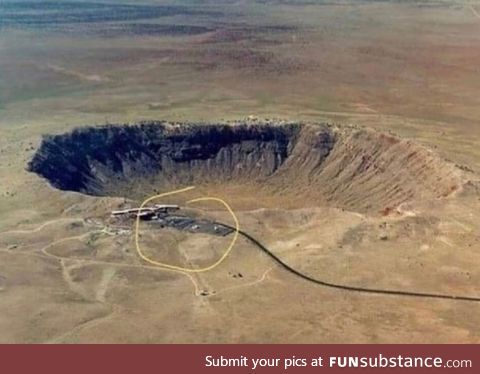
394, 205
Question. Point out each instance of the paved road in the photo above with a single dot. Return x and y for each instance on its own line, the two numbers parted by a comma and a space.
352, 288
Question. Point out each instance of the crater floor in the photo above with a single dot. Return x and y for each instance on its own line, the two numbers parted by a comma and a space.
316, 164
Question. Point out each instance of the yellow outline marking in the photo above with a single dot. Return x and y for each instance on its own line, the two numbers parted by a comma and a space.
180, 268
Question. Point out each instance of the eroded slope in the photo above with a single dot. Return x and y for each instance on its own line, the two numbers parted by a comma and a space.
357, 169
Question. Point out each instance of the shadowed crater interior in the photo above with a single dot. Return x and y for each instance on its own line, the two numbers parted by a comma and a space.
353, 168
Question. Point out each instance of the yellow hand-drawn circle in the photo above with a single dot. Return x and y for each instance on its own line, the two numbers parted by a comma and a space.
180, 268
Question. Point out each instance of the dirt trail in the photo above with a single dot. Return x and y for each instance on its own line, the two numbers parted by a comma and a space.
82, 326
108, 275
474, 11
42, 226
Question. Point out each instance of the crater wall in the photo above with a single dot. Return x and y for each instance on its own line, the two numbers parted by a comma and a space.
352, 168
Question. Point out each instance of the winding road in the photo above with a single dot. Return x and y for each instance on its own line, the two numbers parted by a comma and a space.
347, 287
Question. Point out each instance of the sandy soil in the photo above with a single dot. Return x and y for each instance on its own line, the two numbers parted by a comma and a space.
67, 276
